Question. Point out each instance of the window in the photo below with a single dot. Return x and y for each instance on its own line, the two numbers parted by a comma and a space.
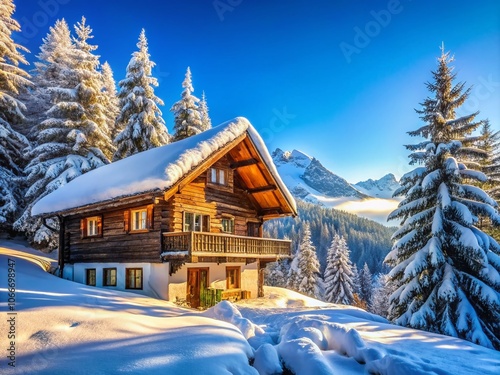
218, 176
133, 278
194, 222
138, 219
109, 277
90, 278
233, 277
227, 225
91, 226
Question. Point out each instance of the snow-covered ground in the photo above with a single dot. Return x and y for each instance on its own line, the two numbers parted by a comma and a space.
66, 328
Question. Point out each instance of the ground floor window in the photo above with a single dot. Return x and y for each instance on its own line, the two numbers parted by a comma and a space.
133, 278
109, 277
233, 277
90, 277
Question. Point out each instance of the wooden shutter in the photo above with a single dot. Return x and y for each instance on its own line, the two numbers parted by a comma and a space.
150, 217
126, 221
99, 226
83, 227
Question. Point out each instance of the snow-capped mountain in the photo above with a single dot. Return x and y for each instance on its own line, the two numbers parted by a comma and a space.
305, 175
308, 180
382, 188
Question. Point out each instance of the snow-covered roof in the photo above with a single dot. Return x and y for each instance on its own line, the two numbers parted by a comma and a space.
157, 169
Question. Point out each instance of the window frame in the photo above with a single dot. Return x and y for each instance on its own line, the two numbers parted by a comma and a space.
85, 227
142, 219
87, 276
231, 225
203, 223
237, 277
218, 176
129, 219
134, 270
105, 274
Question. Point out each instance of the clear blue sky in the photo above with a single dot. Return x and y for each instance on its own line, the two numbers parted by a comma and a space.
337, 79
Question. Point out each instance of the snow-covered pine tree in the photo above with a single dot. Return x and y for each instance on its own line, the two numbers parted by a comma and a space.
13, 145
73, 138
277, 273
51, 70
356, 280
489, 142
139, 115
93, 122
338, 273
357, 300
366, 284
187, 117
304, 275
381, 293
110, 99
446, 271
206, 122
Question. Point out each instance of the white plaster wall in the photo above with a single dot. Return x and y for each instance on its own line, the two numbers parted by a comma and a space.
216, 278
159, 279
151, 278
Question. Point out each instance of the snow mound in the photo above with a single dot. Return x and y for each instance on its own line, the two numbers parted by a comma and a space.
306, 336
227, 312
267, 361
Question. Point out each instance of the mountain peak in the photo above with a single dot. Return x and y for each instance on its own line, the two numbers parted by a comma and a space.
295, 157
381, 188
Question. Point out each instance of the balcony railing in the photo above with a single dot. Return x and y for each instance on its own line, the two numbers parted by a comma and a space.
184, 244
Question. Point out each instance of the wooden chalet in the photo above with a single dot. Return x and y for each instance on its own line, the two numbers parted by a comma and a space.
179, 222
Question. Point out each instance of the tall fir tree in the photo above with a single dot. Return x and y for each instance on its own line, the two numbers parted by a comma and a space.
381, 293
277, 273
366, 285
72, 140
338, 277
110, 100
489, 142
446, 270
51, 70
139, 115
206, 122
13, 145
187, 117
304, 275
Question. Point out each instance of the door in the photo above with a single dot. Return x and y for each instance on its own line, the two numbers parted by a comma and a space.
197, 283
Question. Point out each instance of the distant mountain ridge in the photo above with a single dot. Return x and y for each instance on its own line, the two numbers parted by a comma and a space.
381, 188
305, 175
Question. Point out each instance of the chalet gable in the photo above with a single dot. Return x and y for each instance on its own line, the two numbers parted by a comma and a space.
164, 171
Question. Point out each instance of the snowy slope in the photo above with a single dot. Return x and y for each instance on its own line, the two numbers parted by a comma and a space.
68, 328
309, 180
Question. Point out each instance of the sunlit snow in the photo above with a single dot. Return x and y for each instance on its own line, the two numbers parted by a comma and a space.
69, 328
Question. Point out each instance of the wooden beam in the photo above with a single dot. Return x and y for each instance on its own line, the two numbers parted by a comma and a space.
261, 189
271, 210
243, 163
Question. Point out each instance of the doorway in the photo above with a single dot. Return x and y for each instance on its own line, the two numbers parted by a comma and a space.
197, 283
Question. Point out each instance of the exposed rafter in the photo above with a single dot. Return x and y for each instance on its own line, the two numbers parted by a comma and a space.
261, 189
243, 163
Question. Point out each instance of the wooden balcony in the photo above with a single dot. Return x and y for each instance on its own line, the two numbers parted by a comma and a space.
182, 245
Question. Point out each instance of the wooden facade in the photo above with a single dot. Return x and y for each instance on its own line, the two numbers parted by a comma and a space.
212, 215
116, 243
